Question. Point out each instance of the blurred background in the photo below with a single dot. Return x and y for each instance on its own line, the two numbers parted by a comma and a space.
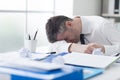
21, 17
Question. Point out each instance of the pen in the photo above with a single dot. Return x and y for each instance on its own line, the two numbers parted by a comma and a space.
29, 38
117, 54
35, 35
51, 53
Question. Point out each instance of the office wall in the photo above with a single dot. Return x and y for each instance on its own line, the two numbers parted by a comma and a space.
11, 31
87, 7
66, 8
15, 25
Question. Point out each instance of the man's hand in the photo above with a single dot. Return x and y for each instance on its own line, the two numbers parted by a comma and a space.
90, 47
86, 48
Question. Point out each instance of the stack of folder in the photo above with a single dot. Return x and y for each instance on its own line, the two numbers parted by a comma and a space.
21, 73
77, 67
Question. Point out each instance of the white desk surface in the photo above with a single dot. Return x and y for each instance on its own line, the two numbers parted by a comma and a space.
111, 73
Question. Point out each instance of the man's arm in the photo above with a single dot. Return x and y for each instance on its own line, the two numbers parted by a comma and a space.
113, 36
86, 48
112, 49
63, 46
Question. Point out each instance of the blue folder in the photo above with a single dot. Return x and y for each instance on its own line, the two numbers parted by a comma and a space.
66, 73
91, 72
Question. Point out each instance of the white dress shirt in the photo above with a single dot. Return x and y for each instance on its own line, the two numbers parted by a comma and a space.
96, 30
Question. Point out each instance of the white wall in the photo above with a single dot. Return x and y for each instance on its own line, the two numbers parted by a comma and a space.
87, 7
77, 7
11, 31
64, 7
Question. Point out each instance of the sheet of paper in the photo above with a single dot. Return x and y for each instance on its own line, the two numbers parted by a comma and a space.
31, 64
97, 51
38, 56
81, 59
14, 58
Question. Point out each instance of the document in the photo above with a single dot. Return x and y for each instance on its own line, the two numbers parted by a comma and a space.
96, 61
33, 65
14, 60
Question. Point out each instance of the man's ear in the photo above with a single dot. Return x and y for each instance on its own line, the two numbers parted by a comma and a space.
77, 16
68, 24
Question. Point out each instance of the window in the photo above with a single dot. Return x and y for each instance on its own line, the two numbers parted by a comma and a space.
38, 11
14, 25
21, 17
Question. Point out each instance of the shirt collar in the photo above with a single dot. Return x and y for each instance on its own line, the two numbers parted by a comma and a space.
86, 25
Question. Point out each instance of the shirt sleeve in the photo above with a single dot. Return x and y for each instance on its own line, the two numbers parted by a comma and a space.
59, 46
112, 49
113, 36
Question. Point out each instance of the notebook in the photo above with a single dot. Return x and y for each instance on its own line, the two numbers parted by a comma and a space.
96, 61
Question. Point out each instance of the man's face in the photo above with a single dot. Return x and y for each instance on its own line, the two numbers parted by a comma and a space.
70, 36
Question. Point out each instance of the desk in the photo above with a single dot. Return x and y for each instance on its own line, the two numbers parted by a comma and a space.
10, 71
111, 73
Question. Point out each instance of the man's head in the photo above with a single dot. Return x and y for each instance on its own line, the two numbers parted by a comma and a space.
62, 28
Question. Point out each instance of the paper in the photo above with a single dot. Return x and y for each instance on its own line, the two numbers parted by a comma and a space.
58, 60
31, 64
38, 56
89, 60
14, 59
97, 51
